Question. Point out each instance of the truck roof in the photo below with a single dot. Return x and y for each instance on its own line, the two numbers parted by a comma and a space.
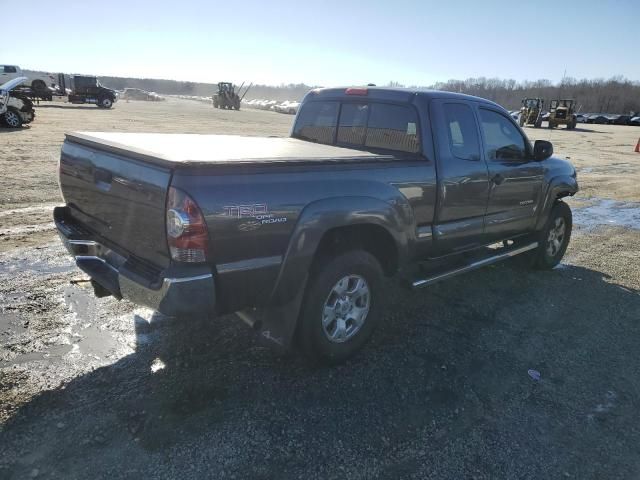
394, 94
181, 149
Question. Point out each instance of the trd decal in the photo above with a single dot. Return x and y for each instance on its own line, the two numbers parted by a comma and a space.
259, 212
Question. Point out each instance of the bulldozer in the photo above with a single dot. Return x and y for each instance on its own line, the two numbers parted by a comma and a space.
531, 112
227, 98
561, 112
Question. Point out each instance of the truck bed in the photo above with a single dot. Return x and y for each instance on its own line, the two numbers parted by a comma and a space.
170, 150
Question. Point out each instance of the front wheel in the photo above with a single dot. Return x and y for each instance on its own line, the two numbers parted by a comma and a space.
341, 307
11, 118
554, 238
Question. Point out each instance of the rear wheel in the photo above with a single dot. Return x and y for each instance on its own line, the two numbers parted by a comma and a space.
38, 86
105, 102
341, 307
11, 118
554, 238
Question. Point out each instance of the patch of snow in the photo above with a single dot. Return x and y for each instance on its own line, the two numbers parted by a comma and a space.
608, 212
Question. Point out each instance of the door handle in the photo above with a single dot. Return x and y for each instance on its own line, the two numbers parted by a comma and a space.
497, 179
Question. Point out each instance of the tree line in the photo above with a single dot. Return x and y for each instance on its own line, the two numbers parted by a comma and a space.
615, 95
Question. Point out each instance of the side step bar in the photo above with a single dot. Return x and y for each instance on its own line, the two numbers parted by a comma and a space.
474, 265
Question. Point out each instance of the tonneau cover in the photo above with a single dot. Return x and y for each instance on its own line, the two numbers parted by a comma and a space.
170, 149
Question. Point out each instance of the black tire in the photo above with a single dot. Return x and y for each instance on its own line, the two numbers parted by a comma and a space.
314, 337
538, 123
544, 257
105, 102
11, 118
38, 86
550, 125
521, 120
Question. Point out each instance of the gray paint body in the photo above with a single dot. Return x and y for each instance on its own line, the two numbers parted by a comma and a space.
269, 202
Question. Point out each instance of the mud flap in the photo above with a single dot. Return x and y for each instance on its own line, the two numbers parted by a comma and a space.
275, 326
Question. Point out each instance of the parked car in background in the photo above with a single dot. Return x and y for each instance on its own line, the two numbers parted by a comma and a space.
139, 94
44, 83
16, 109
581, 118
287, 107
598, 119
620, 119
545, 116
515, 114
635, 121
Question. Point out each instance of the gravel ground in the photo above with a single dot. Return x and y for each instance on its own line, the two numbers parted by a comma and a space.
103, 389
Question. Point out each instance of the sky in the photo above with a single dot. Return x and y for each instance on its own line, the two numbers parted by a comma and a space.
327, 42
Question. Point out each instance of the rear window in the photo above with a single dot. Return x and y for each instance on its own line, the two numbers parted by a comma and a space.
317, 122
368, 125
9, 69
353, 123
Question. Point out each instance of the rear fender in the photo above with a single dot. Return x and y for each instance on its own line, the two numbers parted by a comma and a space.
318, 218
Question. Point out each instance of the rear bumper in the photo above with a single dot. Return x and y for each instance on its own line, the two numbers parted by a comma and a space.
176, 291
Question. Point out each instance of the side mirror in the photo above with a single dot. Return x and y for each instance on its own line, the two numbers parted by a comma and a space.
542, 150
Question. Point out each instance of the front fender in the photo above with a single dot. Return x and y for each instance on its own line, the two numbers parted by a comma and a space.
557, 187
319, 217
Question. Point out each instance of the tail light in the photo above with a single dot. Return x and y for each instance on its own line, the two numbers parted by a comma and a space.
356, 91
187, 234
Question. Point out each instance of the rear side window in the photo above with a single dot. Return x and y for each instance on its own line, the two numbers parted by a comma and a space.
9, 69
317, 122
394, 127
503, 141
462, 131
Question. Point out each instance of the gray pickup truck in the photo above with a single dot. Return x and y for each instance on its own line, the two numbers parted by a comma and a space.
296, 235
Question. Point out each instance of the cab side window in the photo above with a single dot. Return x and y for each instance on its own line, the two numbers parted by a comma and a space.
462, 131
503, 141
9, 69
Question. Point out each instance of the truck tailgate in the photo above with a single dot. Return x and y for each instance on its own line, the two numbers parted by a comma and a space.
120, 199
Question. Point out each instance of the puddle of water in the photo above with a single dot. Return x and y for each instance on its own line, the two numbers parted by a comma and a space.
48, 207
49, 355
608, 212
43, 260
10, 323
28, 229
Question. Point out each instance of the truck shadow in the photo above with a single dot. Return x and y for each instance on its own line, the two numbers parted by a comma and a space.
73, 107
446, 371
586, 130
4, 129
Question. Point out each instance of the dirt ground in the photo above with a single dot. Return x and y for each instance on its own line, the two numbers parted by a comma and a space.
103, 389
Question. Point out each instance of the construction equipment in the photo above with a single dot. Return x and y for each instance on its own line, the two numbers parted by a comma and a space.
561, 112
531, 112
227, 97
